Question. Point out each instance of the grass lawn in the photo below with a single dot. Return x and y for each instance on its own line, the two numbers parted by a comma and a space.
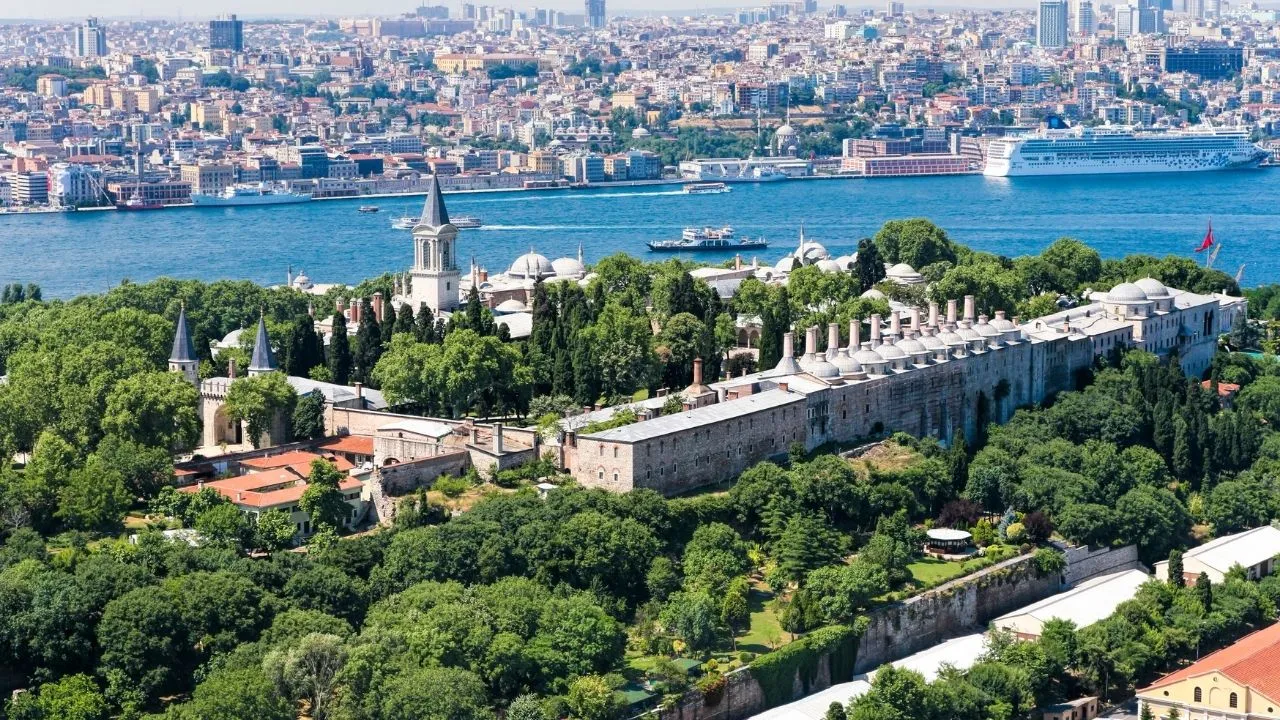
931, 571
765, 626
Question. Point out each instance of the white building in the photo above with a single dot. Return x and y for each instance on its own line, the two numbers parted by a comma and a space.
1051, 24
1084, 605
1254, 550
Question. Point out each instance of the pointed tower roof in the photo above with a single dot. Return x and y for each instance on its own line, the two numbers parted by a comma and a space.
433, 213
183, 349
263, 360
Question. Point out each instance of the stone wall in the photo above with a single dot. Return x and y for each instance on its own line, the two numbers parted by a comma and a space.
1084, 563
409, 476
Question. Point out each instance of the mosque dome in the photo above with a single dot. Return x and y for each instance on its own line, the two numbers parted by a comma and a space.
951, 337
846, 262
640, 132
900, 270
967, 333
828, 266
1153, 288
507, 307
985, 329
811, 252
785, 131
531, 265
932, 342
1126, 293
1002, 324
873, 294
910, 346
787, 264
568, 267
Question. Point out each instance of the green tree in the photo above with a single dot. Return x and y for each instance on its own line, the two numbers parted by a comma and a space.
805, 544
715, 555
1204, 592
157, 409
916, 242
222, 525
142, 635
339, 358
94, 497
368, 343
1154, 519
1176, 577
308, 670
434, 693
870, 267
74, 697
259, 401
323, 499
273, 531
526, 707
591, 698
840, 591
308, 416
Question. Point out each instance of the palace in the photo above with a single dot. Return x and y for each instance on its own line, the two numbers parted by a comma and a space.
942, 377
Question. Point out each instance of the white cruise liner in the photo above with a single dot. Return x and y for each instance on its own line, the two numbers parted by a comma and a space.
250, 195
1108, 150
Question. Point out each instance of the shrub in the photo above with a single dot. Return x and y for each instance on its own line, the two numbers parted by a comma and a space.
451, 486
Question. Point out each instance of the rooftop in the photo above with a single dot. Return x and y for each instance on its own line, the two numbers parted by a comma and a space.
1245, 549
1084, 605
700, 417
1254, 661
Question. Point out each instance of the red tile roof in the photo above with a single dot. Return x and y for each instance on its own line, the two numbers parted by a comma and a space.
295, 458
354, 444
1254, 661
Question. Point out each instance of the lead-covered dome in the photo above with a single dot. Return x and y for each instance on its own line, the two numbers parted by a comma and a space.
531, 265
1152, 288
1126, 293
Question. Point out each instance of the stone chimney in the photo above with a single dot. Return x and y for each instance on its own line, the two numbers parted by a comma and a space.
855, 335
484, 275
737, 262
359, 389
497, 438
968, 308
788, 345
951, 312
377, 305
833, 339
895, 324
697, 372
875, 329
231, 368
355, 310
915, 322
933, 314
811, 341
783, 387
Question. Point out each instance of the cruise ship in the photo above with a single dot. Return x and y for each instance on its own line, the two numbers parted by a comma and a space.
249, 195
1113, 149
728, 170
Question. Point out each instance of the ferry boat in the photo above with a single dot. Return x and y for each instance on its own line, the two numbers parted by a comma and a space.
710, 188
137, 202
692, 240
1119, 149
250, 195
408, 222
368, 209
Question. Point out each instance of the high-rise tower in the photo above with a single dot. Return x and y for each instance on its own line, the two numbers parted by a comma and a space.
434, 276
595, 14
1051, 24
91, 39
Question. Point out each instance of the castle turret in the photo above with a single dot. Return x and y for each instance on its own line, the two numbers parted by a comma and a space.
182, 358
264, 359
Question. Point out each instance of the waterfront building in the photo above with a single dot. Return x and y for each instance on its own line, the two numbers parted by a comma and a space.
942, 378
208, 178
29, 187
1051, 24
226, 34
91, 39
75, 185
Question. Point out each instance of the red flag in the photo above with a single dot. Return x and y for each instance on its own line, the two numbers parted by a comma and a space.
1208, 239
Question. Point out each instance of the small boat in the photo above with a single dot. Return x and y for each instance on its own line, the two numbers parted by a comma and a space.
368, 208
137, 202
693, 240
405, 223
709, 188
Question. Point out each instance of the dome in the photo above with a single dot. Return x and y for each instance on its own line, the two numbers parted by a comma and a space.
1126, 293
787, 264
900, 270
866, 357
932, 343
967, 334
829, 266
873, 294
531, 265
510, 306
891, 352
811, 252
950, 337
846, 262
910, 346
845, 364
567, 266
639, 132
817, 366
785, 131
1003, 324
1153, 288
984, 329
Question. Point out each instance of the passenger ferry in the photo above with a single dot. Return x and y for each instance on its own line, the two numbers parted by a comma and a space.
368, 209
461, 222
1111, 150
259, 194
707, 239
710, 188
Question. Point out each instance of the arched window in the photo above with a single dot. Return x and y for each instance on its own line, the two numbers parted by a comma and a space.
1199, 696
1233, 700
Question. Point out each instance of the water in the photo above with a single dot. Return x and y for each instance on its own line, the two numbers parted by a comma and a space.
75, 253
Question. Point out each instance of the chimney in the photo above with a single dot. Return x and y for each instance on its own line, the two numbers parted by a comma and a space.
484, 275
811, 341
968, 308
855, 335
199, 484
377, 305
497, 438
875, 329
783, 387
359, 389
933, 314
915, 322
833, 339
737, 262
355, 310
895, 324
231, 368
697, 372
339, 305
788, 345
951, 312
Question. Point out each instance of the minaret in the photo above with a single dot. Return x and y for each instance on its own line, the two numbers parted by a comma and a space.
435, 276
182, 358
263, 360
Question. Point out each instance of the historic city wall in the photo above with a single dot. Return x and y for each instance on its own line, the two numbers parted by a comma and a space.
408, 476
1084, 563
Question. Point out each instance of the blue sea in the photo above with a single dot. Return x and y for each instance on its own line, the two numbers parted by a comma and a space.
74, 253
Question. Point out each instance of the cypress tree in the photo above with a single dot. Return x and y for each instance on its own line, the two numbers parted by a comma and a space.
388, 324
424, 325
404, 320
339, 360
870, 266
1175, 569
1182, 462
475, 311
368, 343
1204, 591
586, 375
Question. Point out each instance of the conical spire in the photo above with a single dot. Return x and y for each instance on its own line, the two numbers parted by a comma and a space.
433, 213
263, 360
183, 349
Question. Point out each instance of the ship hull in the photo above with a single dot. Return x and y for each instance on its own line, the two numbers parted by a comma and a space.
654, 247
248, 200
996, 168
